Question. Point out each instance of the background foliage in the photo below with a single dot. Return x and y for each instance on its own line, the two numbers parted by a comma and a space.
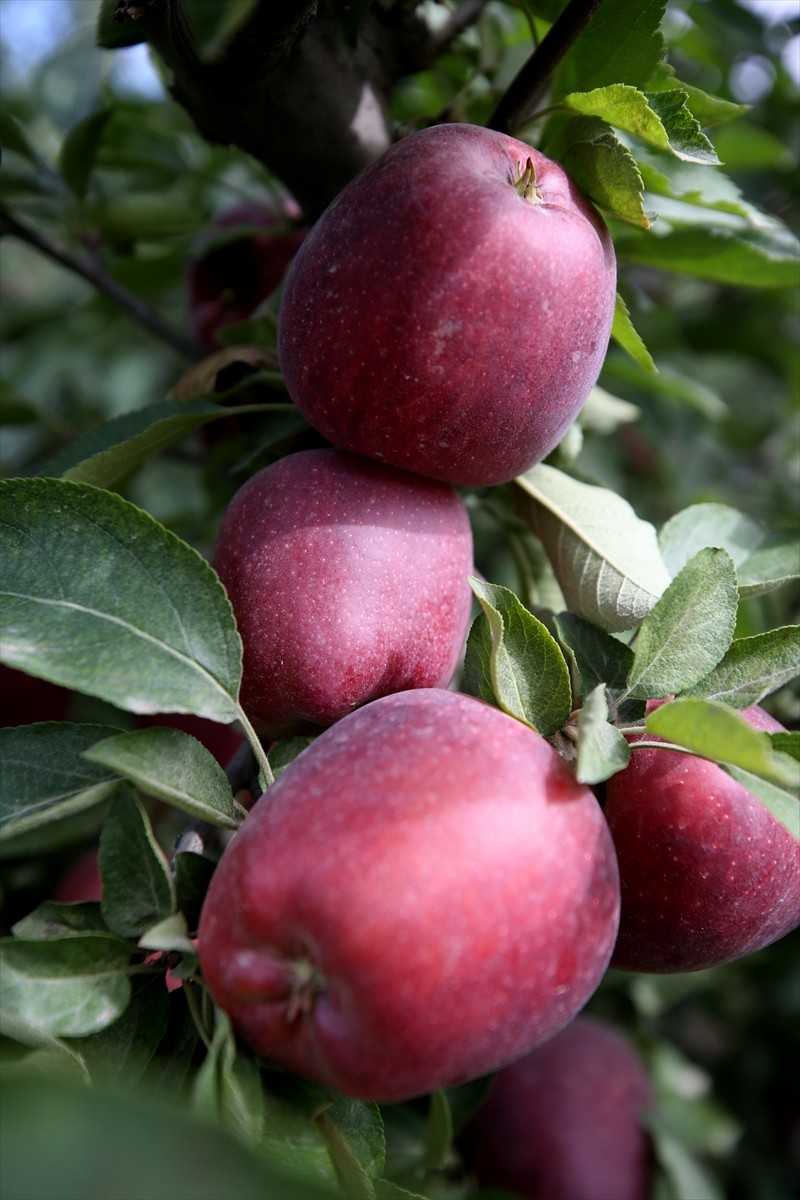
101, 161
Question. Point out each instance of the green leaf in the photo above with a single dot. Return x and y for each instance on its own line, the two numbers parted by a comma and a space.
624, 334
64, 987
112, 450
101, 598
192, 876
602, 749
703, 525
228, 1088
172, 766
113, 34
746, 257
44, 777
438, 1132
137, 887
771, 565
621, 44
708, 109
120, 1053
355, 1181
285, 751
360, 1125
604, 413
476, 676
689, 630
601, 165
598, 657
687, 1178
79, 150
13, 136
529, 674
786, 742
661, 119
54, 918
714, 731
781, 804
171, 933
605, 558
752, 668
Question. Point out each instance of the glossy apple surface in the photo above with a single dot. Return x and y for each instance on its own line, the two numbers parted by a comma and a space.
707, 874
231, 275
564, 1122
349, 580
425, 894
438, 319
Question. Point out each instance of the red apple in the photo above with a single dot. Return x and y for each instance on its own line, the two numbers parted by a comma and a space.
425, 894
230, 276
707, 873
81, 881
450, 311
26, 699
564, 1122
349, 580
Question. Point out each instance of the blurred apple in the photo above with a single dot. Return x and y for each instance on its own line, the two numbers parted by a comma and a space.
25, 699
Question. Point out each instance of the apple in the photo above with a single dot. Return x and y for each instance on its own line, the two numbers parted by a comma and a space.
564, 1122
26, 699
81, 881
424, 895
707, 873
450, 310
349, 580
229, 276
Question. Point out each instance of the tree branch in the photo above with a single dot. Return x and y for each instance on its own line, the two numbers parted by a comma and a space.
526, 89
141, 312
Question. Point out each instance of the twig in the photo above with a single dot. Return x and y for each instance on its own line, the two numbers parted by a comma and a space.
524, 91
95, 275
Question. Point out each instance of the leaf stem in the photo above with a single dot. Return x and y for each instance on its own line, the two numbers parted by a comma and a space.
524, 91
194, 1012
147, 317
265, 776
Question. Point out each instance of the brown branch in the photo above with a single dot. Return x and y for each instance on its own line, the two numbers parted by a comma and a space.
99, 279
528, 86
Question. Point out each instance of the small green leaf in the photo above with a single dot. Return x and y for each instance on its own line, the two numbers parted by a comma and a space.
661, 119
170, 934
689, 630
771, 565
621, 44
717, 732
530, 677
173, 766
63, 987
624, 334
101, 598
687, 1178
744, 257
601, 165
709, 110
599, 658
285, 751
604, 413
137, 887
477, 676
438, 1132
602, 749
354, 1179
781, 803
79, 150
786, 742
54, 918
228, 1088
13, 136
605, 558
703, 525
44, 777
752, 668
121, 1052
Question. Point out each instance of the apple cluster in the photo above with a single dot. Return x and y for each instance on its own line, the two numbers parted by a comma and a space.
427, 894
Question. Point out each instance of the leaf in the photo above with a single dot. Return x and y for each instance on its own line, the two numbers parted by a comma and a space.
121, 1052
689, 630
624, 334
476, 676
708, 109
361, 1125
605, 558
172, 933
786, 742
687, 1178
202, 380
703, 525
44, 777
529, 675
604, 413
13, 136
101, 598
599, 658
64, 987
54, 918
438, 1132
661, 119
714, 731
355, 1181
623, 43
780, 803
771, 565
172, 766
746, 257
137, 887
79, 150
752, 668
601, 165
283, 752
227, 1088
602, 749
192, 876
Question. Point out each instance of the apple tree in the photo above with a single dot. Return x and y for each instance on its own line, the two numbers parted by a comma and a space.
399, 599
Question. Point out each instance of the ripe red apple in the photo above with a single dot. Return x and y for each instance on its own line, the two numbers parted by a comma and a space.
349, 580
425, 894
229, 277
81, 881
451, 309
564, 1122
707, 873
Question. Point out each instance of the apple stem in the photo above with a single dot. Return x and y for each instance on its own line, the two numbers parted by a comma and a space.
526, 186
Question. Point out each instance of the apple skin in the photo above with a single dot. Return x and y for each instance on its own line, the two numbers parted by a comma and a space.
564, 1122
349, 580
437, 320
425, 894
707, 873
227, 280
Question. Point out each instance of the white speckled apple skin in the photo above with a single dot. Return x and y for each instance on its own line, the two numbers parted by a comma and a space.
436, 319
452, 885
349, 580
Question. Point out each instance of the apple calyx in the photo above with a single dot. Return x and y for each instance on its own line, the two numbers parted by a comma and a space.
526, 186
307, 982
